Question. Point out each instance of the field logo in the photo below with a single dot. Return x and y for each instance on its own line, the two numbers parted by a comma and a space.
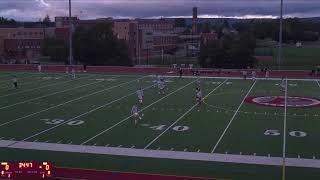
279, 101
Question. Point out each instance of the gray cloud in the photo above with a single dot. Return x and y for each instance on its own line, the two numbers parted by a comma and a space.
35, 9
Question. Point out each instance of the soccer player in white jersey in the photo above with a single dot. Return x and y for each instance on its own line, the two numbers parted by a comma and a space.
267, 74
254, 75
73, 72
283, 84
199, 96
244, 74
39, 68
15, 82
161, 86
135, 114
198, 82
140, 95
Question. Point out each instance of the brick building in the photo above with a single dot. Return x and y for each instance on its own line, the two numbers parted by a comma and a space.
127, 30
22, 43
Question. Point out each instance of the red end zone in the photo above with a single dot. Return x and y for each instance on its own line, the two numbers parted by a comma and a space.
279, 101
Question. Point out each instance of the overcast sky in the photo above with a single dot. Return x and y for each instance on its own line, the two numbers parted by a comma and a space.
32, 10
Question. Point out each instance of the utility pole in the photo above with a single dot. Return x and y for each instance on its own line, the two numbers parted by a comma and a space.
280, 36
70, 35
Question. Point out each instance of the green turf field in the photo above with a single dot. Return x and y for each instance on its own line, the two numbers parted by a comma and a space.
293, 58
225, 138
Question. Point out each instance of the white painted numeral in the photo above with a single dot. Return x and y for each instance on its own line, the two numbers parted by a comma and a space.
75, 123
298, 134
272, 133
158, 128
181, 128
55, 121
291, 133
59, 121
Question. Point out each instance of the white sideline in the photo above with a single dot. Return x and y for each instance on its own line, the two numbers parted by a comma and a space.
83, 114
61, 104
28, 90
162, 154
234, 115
123, 120
182, 116
234, 78
58, 92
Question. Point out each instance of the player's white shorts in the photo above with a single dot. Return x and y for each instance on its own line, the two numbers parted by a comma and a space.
135, 115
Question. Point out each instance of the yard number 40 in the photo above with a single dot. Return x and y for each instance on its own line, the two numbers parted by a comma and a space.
291, 133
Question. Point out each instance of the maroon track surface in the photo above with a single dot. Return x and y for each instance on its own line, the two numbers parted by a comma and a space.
67, 173
158, 70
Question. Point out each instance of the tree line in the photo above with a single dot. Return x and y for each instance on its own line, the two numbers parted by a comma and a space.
92, 46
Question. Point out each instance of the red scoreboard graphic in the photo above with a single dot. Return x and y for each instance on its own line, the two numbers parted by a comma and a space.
25, 170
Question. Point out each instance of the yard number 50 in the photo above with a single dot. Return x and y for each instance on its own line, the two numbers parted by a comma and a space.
291, 133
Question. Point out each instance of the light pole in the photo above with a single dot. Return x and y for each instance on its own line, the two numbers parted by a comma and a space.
280, 36
70, 35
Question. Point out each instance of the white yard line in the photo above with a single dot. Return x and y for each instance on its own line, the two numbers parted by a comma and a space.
284, 132
83, 114
182, 116
125, 119
318, 83
163, 154
234, 115
49, 85
64, 103
51, 94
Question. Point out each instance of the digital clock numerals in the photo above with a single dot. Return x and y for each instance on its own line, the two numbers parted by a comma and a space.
23, 165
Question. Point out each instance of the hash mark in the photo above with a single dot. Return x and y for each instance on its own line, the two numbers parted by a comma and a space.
185, 150
171, 149
107, 145
120, 146
132, 146
158, 148
198, 150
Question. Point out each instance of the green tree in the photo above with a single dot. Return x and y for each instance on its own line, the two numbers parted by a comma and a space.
56, 49
98, 46
5, 21
229, 52
180, 22
46, 20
